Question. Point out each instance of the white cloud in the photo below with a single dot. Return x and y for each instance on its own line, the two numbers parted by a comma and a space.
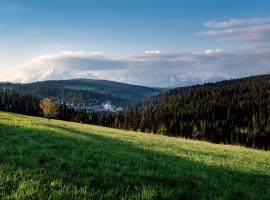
157, 51
208, 51
236, 22
160, 70
253, 33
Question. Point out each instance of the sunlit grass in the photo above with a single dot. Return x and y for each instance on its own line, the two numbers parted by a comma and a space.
41, 159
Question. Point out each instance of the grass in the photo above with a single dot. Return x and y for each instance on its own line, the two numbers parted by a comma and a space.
61, 160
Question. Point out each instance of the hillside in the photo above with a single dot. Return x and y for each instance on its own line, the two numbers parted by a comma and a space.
228, 112
83, 89
41, 159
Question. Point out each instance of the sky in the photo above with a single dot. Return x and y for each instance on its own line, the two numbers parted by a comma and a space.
148, 42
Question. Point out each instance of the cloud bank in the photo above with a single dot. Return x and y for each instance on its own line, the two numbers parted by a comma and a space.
156, 70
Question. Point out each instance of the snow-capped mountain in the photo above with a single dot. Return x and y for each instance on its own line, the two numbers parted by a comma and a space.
161, 80
54, 74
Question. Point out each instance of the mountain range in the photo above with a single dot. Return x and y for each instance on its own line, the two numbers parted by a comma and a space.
153, 79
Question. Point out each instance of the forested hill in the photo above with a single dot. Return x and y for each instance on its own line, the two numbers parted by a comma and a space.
233, 111
103, 87
84, 91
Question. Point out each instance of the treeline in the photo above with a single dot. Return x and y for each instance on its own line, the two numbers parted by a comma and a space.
11, 101
62, 94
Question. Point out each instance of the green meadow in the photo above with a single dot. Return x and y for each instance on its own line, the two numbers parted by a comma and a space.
41, 159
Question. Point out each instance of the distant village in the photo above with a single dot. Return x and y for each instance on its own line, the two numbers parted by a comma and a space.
106, 106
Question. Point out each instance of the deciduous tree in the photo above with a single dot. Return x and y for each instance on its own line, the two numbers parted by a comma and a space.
49, 108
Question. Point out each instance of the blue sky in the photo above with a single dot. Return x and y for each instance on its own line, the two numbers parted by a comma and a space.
31, 28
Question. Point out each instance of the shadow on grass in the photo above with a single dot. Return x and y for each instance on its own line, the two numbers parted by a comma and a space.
100, 166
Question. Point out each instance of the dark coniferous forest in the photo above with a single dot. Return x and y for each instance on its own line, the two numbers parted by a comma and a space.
229, 112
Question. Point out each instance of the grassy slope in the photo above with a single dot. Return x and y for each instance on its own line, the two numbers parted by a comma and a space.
60, 160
